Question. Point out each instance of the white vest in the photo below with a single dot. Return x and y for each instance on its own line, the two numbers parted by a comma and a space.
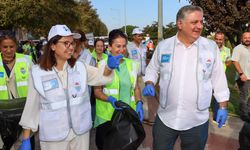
139, 55
206, 59
60, 109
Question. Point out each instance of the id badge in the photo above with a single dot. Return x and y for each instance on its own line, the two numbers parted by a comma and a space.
50, 84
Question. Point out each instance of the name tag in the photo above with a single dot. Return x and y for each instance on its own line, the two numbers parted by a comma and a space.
50, 84
165, 58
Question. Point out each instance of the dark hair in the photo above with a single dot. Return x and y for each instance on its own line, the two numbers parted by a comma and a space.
48, 59
114, 34
219, 32
11, 37
98, 40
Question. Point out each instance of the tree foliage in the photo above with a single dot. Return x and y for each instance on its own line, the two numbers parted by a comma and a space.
37, 16
229, 16
168, 30
129, 29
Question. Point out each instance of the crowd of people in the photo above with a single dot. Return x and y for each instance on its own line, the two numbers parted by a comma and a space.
70, 89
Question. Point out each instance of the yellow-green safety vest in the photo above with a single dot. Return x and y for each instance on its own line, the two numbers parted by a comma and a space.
21, 71
104, 56
104, 109
225, 54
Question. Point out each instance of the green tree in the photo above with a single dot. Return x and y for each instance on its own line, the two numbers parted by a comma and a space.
89, 20
37, 16
169, 30
228, 16
129, 29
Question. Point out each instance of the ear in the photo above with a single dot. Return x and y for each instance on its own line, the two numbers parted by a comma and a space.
179, 24
53, 47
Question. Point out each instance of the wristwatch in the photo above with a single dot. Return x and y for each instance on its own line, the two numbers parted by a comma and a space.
241, 73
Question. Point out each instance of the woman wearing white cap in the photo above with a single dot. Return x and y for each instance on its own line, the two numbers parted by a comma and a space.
58, 98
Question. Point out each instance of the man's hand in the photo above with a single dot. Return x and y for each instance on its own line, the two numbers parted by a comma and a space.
221, 117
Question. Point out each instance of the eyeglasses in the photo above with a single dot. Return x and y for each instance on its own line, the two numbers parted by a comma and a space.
67, 43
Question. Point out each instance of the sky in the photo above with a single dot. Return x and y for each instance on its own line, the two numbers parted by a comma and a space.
138, 12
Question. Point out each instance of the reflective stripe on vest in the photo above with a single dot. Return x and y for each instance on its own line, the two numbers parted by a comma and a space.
104, 109
21, 71
61, 104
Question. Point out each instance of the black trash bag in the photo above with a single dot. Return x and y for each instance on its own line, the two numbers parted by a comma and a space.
244, 137
127, 132
245, 112
10, 114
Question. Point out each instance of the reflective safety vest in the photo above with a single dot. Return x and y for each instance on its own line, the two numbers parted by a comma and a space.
21, 72
104, 109
104, 56
62, 109
225, 55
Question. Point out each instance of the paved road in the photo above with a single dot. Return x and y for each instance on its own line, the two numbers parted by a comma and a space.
225, 138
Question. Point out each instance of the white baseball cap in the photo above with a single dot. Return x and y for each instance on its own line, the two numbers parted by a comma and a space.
137, 31
62, 30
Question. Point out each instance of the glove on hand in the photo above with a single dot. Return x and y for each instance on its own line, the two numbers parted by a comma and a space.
114, 61
221, 117
26, 144
149, 90
113, 100
139, 110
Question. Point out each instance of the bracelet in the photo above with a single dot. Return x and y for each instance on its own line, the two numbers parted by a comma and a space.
241, 73
139, 101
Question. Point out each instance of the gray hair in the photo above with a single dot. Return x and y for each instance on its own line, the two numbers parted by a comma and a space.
185, 10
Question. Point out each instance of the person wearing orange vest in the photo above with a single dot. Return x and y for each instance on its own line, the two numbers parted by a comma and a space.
14, 71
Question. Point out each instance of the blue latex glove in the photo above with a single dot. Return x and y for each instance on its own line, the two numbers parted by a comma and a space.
26, 144
221, 117
149, 90
112, 100
114, 61
139, 110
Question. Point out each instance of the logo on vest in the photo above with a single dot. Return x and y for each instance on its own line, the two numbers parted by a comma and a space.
165, 58
208, 63
1, 74
22, 70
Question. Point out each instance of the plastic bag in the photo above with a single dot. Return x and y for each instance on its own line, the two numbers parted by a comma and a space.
127, 132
